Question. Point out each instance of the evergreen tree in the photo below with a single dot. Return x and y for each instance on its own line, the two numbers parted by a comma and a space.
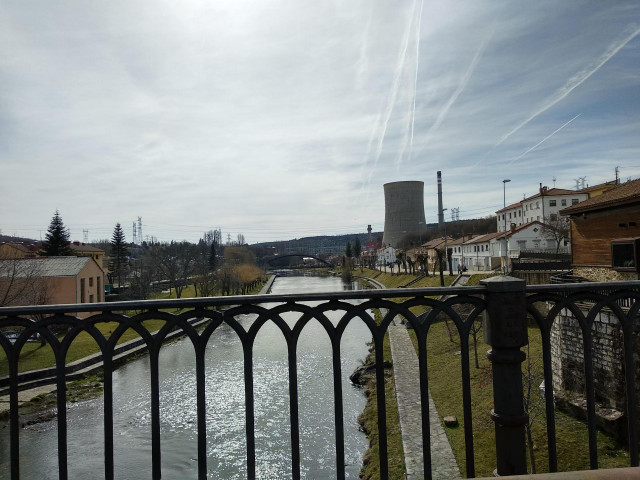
119, 251
57, 238
348, 252
212, 256
357, 248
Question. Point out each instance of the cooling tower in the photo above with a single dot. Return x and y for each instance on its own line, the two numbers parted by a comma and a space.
403, 211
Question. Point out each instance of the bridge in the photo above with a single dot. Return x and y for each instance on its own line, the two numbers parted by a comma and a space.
510, 307
301, 255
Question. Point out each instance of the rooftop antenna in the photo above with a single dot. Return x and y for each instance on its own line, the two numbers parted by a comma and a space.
554, 182
85, 236
617, 175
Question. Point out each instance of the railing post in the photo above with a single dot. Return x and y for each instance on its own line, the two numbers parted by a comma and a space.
505, 329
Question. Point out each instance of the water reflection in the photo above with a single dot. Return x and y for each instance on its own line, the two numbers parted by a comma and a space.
226, 443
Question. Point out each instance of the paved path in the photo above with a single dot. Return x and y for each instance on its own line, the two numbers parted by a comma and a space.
407, 381
25, 396
405, 372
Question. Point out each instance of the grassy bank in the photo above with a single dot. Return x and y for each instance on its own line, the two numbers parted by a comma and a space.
35, 356
369, 418
445, 385
369, 422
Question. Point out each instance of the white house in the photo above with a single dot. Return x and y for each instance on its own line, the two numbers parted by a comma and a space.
477, 253
486, 252
543, 205
386, 255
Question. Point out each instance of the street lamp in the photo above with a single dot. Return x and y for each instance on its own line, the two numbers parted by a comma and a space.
446, 249
504, 215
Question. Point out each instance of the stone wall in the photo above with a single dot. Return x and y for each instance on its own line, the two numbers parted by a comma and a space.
608, 368
604, 274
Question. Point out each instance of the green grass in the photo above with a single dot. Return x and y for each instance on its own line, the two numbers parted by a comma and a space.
445, 385
36, 356
369, 421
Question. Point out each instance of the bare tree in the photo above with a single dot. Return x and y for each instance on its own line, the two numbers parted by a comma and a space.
143, 274
555, 228
204, 277
21, 281
532, 402
176, 262
440, 264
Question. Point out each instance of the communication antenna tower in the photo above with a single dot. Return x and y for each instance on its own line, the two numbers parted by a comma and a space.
135, 236
580, 182
140, 229
554, 182
617, 175
85, 236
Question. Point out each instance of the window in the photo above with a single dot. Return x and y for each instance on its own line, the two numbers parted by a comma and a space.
553, 217
624, 254
537, 204
82, 297
90, 298
574, 201
91, 281
522, 244
552, 203
563, 202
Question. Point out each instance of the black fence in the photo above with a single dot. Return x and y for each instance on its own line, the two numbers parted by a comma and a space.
505, 304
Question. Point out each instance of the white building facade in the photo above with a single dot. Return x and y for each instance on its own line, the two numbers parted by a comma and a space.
386, 256
544, 205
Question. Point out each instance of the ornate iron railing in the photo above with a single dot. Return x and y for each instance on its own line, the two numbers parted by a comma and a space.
504, 303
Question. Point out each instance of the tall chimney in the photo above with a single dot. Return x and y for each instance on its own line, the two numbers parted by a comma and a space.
440, 211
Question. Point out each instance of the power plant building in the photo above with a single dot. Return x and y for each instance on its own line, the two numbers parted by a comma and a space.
403, 211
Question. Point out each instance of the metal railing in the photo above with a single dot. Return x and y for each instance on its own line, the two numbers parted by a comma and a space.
508, 304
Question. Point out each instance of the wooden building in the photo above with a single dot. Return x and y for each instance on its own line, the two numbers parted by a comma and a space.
605, 234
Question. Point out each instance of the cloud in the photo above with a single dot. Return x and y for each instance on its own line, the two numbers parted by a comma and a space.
284, 120
576, 80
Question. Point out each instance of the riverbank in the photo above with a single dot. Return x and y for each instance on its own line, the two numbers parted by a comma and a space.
445, 387
37, 391
406, 395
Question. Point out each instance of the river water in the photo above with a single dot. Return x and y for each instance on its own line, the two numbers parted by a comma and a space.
226, 444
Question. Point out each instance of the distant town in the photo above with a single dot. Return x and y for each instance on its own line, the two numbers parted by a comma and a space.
555, 230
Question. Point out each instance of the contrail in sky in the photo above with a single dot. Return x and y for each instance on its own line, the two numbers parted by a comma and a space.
463, 83
394, 91
415, 83
543, 140
411, 113
575, 82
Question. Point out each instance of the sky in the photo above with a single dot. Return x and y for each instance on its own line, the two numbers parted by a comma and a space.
283, 119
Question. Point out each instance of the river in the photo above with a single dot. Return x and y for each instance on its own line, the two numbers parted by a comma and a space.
226, 445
